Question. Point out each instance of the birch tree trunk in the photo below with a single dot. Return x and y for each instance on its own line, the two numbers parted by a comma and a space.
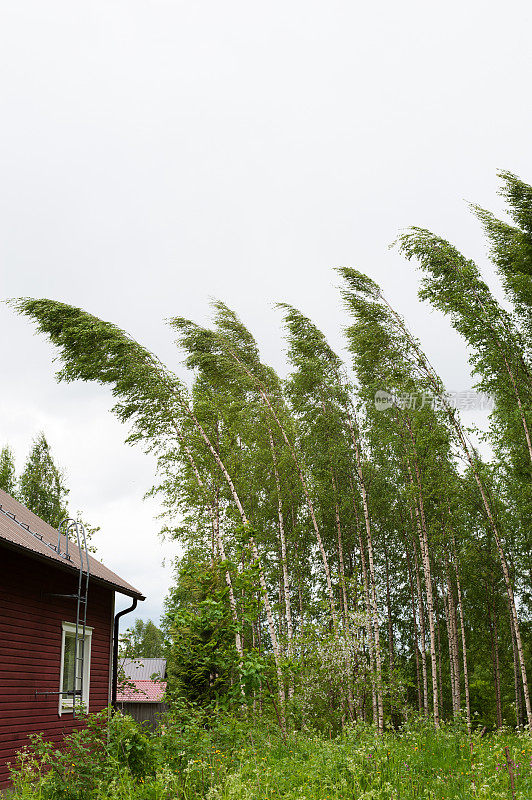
256, 556
453, 639
388, 609
487, 507
266, 400
215, 521
492, 622
375, 614
369, 618
451, 643
462, 629
517, 683
414, 620
438, 640
421, 624
423, 543
345, 607
345, 604
284, 562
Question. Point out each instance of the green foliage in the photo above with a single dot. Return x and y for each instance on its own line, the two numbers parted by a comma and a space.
202, 657
499, 339
212, 755
42, 487
204, 667
143, 639
93, 350
91, 758
8, 480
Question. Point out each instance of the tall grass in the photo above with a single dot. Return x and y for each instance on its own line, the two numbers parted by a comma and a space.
226, 759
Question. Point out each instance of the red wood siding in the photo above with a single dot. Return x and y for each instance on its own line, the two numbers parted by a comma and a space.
30, 650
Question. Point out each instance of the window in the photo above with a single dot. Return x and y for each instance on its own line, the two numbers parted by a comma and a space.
68, 654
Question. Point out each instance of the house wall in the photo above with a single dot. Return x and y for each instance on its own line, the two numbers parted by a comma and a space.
30, 650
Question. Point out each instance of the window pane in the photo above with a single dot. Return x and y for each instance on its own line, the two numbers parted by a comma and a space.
68, 663
71, 670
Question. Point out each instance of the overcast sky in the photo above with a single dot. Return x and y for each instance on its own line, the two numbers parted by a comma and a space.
155, 153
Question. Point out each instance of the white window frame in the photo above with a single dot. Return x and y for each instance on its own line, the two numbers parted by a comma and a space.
66, 704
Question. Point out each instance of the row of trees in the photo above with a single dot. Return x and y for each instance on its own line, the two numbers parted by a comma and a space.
41, 486
348, 552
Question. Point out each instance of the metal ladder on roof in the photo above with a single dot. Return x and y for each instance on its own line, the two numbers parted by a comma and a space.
67, 528
25, 527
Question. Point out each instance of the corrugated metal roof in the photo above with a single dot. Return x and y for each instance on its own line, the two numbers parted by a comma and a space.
142, 669
38, 539
142, 692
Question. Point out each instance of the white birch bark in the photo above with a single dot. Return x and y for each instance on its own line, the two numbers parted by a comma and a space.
369, 619
462, 630
374, 607
266, 400
430, 373
425, 560
284, 562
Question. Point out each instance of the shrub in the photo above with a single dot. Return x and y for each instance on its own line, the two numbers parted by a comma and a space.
89, 759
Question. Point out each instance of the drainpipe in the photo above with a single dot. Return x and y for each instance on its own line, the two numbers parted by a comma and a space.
132, 607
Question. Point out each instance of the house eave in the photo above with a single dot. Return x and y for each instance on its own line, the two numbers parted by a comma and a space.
65, 567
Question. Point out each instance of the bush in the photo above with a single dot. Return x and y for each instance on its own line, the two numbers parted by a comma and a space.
91, 758
131, 746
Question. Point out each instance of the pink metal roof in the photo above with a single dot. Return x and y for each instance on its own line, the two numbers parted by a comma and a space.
38, 539
142, 692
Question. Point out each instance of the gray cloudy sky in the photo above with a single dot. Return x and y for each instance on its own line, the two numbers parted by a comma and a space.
155, 153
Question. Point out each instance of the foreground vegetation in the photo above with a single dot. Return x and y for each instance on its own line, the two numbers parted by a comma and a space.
221, 758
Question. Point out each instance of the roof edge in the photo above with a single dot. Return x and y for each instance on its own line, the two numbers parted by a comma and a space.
65, 567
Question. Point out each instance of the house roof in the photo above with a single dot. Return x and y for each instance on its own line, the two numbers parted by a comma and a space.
142, 669
21, 529
142, 692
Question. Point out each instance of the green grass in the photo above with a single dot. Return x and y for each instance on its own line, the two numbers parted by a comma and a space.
410, 764
231, 760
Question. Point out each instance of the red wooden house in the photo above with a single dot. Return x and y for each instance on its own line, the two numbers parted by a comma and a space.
41, 586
